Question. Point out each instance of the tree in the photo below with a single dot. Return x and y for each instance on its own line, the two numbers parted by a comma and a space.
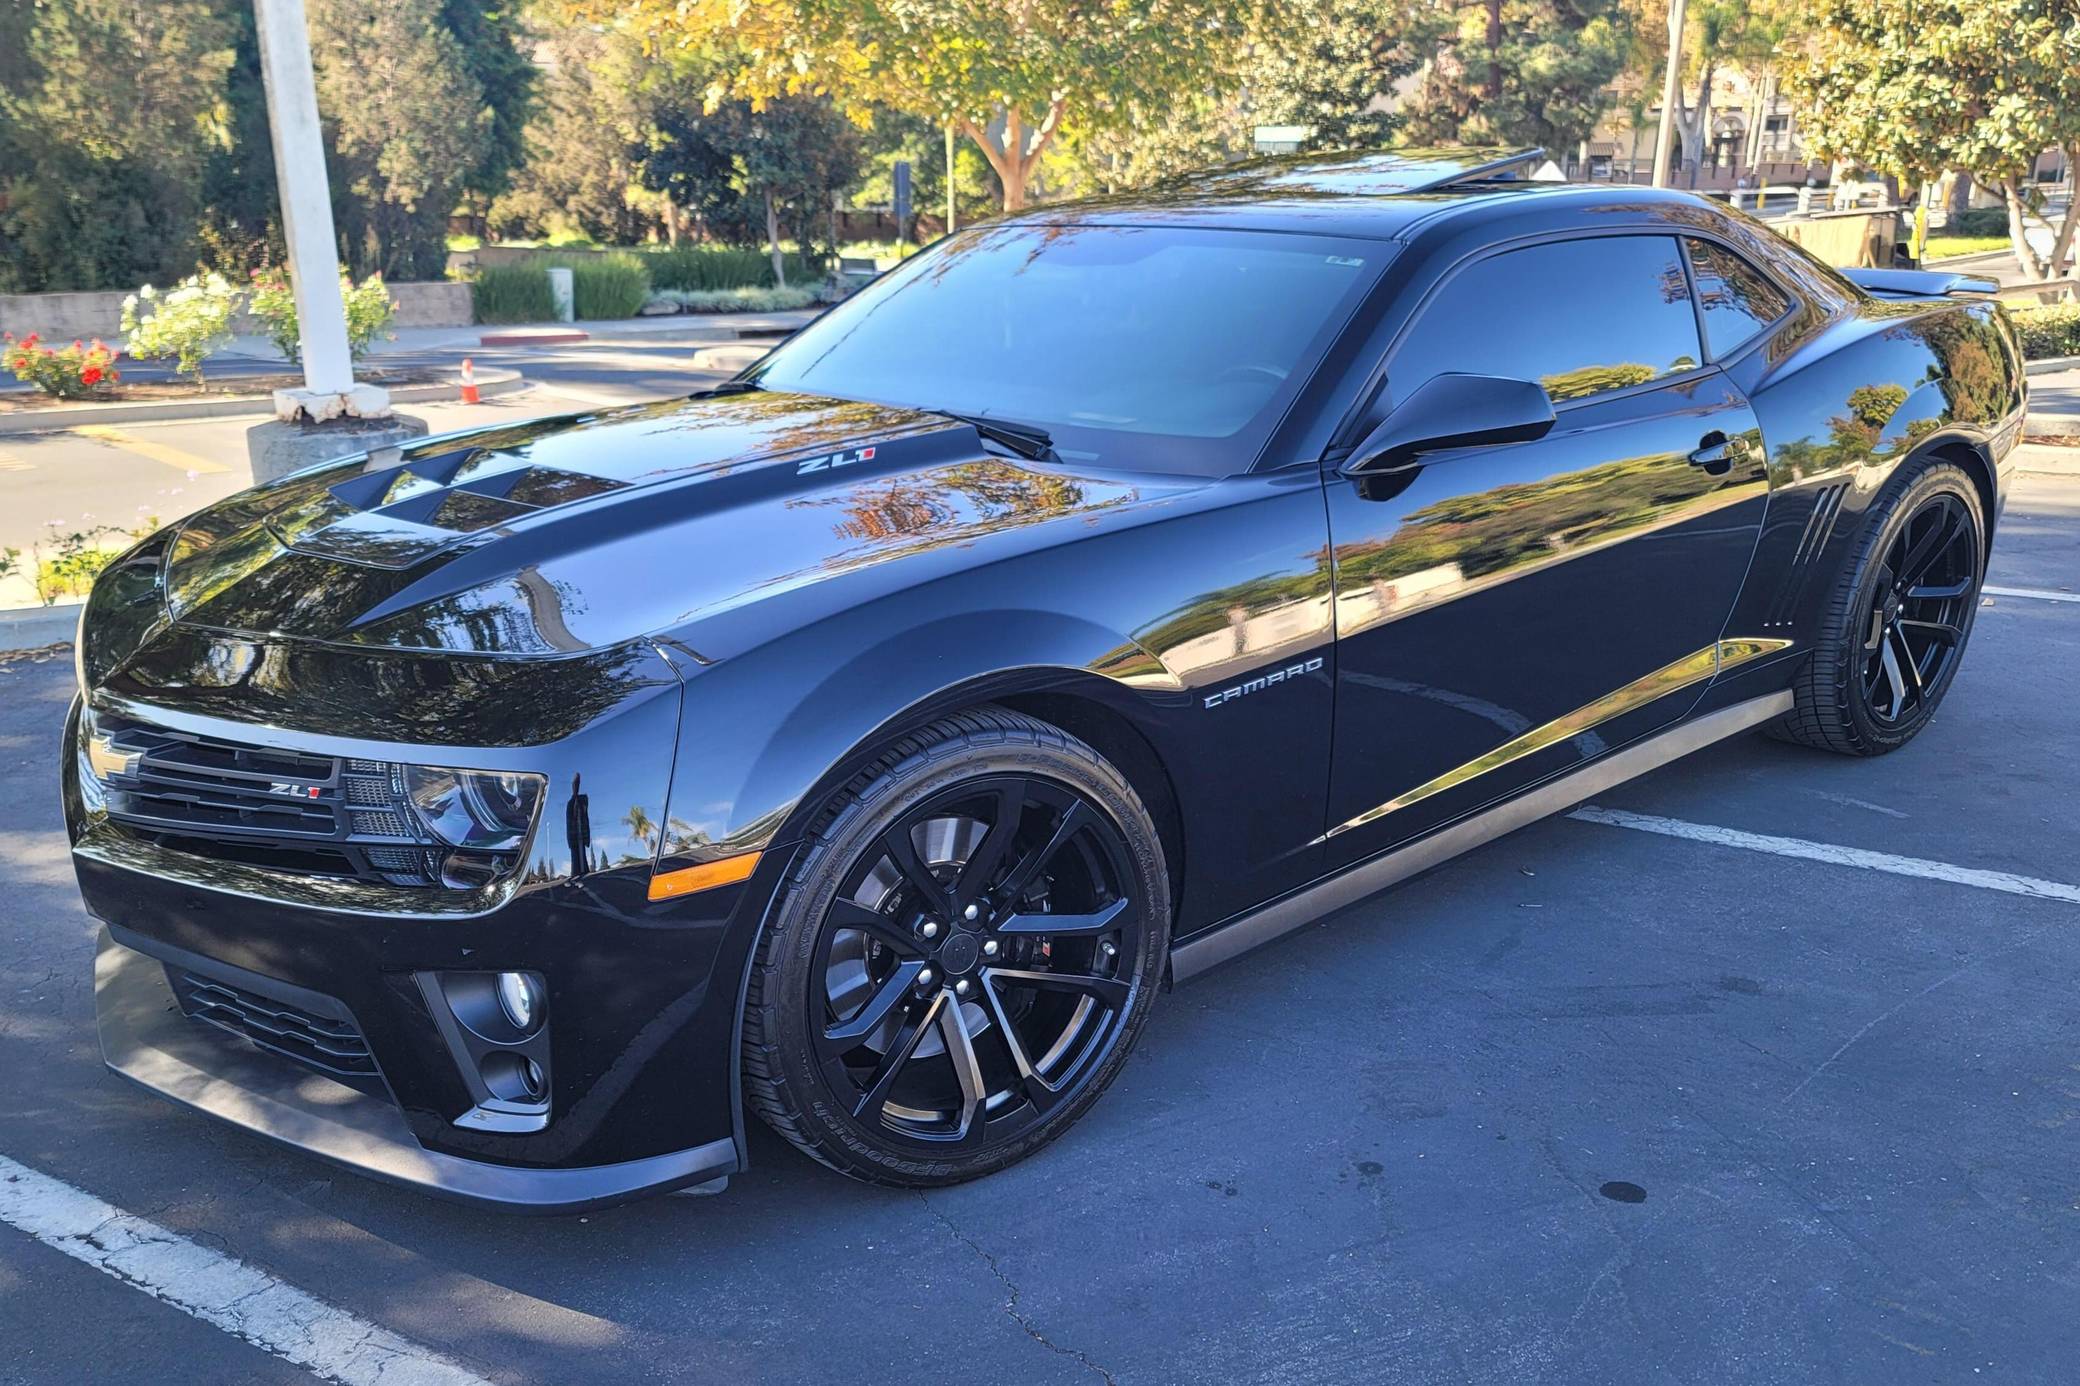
1009, 74
1522, 72
407, 125
1720, 34
494, 43
1912, 88
93, 197
1334, 66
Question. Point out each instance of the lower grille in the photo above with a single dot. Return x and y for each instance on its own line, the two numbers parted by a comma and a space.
331, 1045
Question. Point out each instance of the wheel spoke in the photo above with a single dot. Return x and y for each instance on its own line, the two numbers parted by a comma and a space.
1942, 632
1041, 1093
931, 897
967, 1070
1948, 591
1075, 820
1102, 921
1897, 680
1109, 992
1906, 657
850, 914
989, 853
848, 1034
891, 1066
1928, 547
1877, 635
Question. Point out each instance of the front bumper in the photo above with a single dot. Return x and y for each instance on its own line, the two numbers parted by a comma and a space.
146, 1038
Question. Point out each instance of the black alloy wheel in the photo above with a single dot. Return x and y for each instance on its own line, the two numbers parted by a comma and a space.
1916, 615
1894, 631
964, 957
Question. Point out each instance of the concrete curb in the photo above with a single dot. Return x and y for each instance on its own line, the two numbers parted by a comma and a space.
33, 627
490, 381
2051, 365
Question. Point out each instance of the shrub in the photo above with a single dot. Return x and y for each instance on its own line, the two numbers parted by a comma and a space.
2048, 329
1979, 221
605, 286
187, 322
73, 560
74, 372
512, 293
746, 300
725, 267
369, 310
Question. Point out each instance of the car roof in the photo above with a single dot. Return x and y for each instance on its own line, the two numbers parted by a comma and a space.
1369, 194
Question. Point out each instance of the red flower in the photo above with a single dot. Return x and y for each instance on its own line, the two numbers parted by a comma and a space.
90, 376
114, 376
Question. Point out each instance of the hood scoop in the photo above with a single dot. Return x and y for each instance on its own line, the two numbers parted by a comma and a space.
400, 516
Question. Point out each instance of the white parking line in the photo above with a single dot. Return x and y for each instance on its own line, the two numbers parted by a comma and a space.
2035, 593
1833, 855
240, 1299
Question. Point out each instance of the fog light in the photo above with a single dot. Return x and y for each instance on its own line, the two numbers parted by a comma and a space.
520, 997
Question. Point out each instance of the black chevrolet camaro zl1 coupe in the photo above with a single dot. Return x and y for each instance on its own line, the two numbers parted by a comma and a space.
865, 742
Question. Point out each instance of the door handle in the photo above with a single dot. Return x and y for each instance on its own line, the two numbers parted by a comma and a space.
1714, 453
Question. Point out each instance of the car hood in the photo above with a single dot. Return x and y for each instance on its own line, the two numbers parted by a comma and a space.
576, 534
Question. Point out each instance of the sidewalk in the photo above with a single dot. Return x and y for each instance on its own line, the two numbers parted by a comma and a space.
678, 329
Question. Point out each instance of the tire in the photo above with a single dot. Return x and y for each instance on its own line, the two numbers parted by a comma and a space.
902, 1038
1890, 643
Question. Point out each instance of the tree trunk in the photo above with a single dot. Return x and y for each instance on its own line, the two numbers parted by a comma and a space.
1693, 154
1493, 90
773, 241
671, 222
2025, 258
1012, 162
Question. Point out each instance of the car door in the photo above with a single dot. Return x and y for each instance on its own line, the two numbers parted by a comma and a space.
1505, 612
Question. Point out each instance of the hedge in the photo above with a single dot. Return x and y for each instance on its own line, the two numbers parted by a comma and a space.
604, 286
512, 293
2048, 329
691, 267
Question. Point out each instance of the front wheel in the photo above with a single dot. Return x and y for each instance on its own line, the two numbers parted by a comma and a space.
1895, 629
962, 958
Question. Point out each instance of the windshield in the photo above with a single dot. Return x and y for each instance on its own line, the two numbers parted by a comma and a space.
1159, 348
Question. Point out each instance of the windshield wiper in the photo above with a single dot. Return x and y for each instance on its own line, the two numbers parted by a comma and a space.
1033, 444
731, 387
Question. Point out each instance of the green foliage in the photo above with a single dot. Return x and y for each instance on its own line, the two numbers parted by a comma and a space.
68, 563
1327, 64
698, 267
742, 300
1539, 74
187, 322
1941, 244
84, 370
369, 310
613, 285
512, 293
2048, 329
1979, 221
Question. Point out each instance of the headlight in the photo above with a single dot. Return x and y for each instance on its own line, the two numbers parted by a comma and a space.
487, 811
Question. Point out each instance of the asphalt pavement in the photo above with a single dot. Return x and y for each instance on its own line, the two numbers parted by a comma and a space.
1657, 1102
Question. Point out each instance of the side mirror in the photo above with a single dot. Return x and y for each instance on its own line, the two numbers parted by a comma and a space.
1453, 411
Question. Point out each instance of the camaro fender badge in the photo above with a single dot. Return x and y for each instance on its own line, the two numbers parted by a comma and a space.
294, 791
1264, 681
835, 460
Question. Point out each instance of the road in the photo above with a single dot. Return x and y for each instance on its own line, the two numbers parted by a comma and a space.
127, 475
1596, 1103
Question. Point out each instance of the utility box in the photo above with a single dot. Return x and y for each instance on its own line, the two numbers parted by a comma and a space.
562, 294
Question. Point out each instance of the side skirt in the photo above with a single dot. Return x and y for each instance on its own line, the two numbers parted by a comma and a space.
1304, 906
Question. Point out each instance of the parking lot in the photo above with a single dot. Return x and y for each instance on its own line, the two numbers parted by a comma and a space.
1768, 1072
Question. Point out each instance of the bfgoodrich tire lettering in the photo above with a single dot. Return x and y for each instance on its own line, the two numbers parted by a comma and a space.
1894, 631
961, 957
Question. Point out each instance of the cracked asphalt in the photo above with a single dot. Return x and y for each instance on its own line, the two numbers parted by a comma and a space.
1587, 1105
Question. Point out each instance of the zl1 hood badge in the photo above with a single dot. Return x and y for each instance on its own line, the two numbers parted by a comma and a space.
835, 460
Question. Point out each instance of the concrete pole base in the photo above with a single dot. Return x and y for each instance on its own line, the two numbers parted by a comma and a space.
278, 448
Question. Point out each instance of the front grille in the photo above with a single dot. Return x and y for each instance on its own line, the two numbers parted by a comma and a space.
287, 810
332, 1045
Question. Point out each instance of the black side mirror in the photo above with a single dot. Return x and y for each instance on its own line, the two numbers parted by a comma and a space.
1453, 411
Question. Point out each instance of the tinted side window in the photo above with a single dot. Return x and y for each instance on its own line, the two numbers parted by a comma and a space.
1579, 317
1736, 300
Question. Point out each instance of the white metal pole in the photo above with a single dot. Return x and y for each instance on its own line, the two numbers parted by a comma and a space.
1671, 89
299, 170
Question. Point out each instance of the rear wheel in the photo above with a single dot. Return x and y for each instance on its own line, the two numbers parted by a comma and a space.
1895, 631
962, 959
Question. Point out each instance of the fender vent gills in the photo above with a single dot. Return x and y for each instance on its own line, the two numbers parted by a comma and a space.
1827, 508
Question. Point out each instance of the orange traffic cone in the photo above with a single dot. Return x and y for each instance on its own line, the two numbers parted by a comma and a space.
469, 383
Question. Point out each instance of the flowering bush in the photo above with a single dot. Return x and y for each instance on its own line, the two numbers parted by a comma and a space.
369, 310
80, 371
187, 322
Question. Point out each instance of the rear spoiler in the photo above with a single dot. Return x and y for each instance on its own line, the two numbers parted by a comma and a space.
1897, 284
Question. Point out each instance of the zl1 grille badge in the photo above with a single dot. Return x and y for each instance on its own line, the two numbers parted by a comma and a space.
294, 791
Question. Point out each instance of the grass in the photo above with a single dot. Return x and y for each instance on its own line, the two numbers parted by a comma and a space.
692, 267
604, 287
512, 293
1941, 245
